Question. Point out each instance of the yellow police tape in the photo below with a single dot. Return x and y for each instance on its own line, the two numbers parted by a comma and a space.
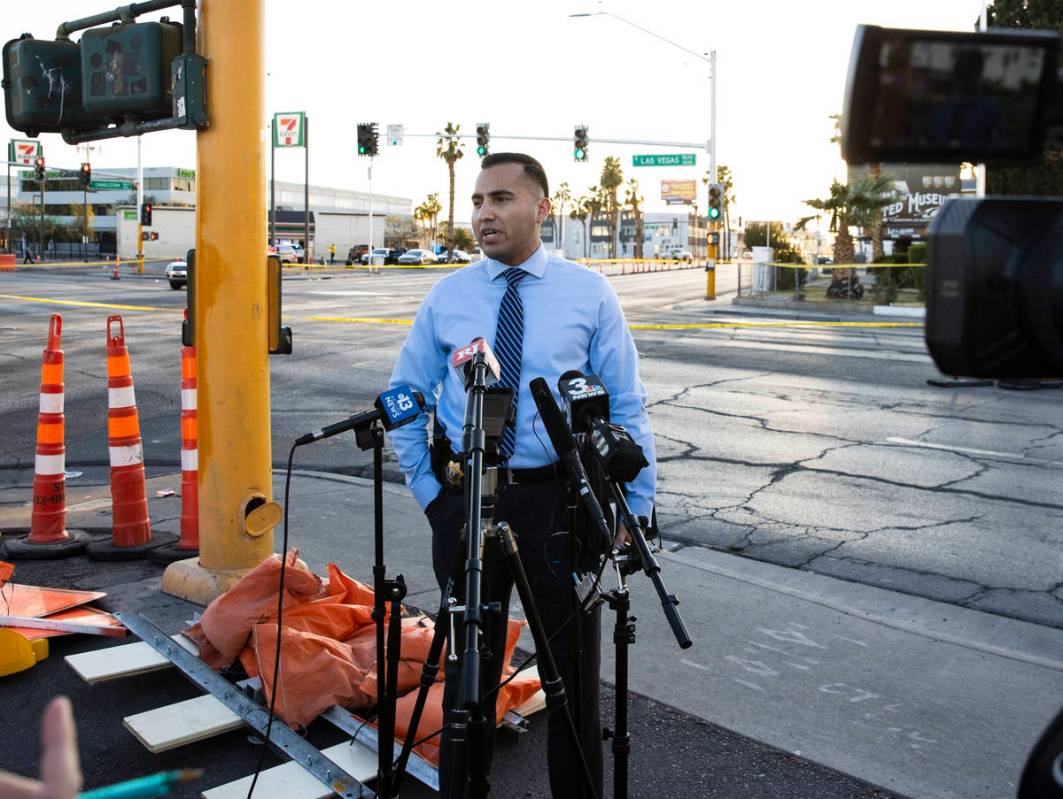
369, 320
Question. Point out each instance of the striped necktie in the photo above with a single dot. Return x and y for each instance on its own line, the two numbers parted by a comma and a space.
509, 345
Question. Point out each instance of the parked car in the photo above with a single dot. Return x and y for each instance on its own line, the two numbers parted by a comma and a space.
679, 255
422, 257
177, 274
354, 255
390, 255
460, 257
290, 253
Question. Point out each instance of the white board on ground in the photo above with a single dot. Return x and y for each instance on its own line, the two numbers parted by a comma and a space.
292, 781
182, 723
127, 660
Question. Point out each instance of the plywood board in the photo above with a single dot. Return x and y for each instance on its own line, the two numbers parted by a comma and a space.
291, 781
123, 661
182, 723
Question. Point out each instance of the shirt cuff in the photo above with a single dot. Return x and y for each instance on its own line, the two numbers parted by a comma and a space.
640, 506
425, 490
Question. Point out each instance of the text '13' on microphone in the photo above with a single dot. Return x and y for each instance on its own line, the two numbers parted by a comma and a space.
394, 408
478, 350
565, 445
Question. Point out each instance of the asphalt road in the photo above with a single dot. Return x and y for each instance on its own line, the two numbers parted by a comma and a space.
811, 446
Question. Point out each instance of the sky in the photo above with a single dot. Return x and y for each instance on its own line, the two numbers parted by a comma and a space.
529, 69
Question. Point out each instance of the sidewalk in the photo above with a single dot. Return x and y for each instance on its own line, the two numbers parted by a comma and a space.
922, 698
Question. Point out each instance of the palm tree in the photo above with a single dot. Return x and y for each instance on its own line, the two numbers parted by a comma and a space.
580, 213
593, 203
432, 208
562, 196
859, 204
448, 147
874, 169
420, 217
635, 201
611, 180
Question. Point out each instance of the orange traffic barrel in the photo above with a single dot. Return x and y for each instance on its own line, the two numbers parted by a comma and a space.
131, 534
48, 536
188, 544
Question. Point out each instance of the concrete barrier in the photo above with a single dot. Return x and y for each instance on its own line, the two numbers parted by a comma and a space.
7, 262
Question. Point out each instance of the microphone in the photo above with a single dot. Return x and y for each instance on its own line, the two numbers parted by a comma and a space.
587, 399
477, 351
621, 458
565, 445
394, 408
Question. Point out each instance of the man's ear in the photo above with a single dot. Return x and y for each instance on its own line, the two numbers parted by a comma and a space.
542, 210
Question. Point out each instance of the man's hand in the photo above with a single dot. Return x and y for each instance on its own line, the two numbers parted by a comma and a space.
60, 764
623, 537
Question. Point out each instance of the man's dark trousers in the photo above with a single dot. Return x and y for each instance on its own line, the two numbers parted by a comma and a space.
538, 516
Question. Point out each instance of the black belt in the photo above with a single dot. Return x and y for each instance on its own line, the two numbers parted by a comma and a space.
540, 474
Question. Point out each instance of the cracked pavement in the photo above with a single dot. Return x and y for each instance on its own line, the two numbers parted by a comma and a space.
820, 449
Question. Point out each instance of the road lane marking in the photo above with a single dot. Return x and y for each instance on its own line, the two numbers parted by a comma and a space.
989, 453
87, 304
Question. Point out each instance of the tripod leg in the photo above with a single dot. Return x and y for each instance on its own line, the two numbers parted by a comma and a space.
428, 679
387, 689
553, 687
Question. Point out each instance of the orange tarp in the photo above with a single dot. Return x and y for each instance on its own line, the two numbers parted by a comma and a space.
328, 645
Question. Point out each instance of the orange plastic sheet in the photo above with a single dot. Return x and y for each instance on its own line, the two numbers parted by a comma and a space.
328, 646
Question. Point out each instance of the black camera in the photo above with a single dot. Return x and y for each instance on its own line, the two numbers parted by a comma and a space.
994, 266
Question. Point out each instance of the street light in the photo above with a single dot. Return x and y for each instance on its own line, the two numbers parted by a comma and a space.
710, 57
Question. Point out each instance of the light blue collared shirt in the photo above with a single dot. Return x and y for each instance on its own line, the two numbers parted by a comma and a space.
572, 320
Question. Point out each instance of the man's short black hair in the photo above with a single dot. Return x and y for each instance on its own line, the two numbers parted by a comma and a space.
532, 167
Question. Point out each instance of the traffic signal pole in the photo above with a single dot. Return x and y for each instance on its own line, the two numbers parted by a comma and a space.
140, 212
230, 321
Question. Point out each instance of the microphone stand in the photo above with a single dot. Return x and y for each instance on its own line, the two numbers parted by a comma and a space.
467, 726
371, 436
619, 600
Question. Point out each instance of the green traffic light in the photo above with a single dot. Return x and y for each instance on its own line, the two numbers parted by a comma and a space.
714, 213
481, 150
579, 154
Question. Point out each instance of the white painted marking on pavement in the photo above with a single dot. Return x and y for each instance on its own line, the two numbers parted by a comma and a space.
989, 453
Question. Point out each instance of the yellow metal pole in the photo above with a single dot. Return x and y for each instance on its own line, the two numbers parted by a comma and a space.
710, 267
230, 316
140, 247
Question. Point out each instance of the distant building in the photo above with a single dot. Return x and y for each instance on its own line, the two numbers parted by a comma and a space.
338, 216
661, 233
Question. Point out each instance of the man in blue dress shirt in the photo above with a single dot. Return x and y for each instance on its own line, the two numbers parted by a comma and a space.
549, 315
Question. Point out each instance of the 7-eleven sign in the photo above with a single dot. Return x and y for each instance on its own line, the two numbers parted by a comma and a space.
289, 129
23, 151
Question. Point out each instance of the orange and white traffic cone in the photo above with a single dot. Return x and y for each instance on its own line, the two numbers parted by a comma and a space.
131, 534
188, 545
114, 273
48, 536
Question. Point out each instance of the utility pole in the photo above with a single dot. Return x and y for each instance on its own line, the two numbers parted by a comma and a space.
229, 294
